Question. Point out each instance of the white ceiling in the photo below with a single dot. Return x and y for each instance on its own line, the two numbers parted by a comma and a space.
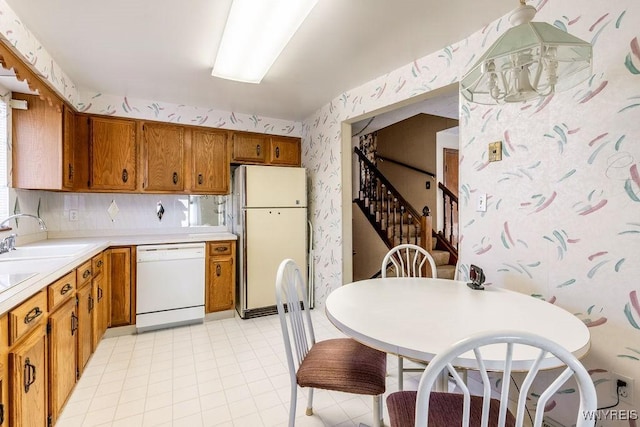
163, 50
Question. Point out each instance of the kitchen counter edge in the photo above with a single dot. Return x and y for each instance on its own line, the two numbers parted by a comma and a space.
54, 268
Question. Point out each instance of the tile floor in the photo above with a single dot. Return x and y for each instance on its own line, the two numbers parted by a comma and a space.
230, 372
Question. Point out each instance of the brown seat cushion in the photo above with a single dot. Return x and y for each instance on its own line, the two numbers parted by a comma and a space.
344, 364
445, 410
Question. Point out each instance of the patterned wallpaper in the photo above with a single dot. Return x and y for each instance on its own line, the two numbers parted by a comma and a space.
121, 106
563, 217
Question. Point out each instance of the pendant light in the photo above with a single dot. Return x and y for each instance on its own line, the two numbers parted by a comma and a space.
530, 60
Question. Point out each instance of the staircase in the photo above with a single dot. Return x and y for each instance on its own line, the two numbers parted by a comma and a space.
396, 221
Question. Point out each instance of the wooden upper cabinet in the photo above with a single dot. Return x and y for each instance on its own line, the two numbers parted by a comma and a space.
112, 154
210, 158
163, 157
284, 151
68, 148
43, 145
250, 147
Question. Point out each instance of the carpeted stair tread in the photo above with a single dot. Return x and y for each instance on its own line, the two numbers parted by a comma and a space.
446, 271
440, 257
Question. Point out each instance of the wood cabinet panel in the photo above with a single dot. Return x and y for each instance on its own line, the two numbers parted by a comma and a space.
61, 290
84, 273
4, 373
112, 154
284, 151
210, 159
68, 148
163, 157
98, 264
220, 277
28, 381
84, 336
4, 408
122, 291
43, 145
63, 325
250, 147
100, 320
27, 316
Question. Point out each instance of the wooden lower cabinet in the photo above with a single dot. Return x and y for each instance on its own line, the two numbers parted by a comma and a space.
4, 409
62, 329
28, 380
85, 328
101, 293
4, 366
121, 269
220, 276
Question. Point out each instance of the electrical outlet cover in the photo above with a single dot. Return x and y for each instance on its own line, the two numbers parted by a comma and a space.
614, 387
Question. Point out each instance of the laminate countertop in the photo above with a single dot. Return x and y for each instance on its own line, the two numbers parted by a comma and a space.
32, 267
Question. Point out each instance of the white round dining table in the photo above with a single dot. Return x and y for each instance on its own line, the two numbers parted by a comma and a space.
421, 317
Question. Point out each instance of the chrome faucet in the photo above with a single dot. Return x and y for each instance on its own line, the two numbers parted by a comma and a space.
43, 226
9, 243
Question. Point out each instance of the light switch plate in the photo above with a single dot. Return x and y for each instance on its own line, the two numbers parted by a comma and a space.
481, 202
495, 151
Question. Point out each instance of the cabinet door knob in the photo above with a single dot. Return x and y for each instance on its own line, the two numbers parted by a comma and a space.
65, 289
258, 149
218, 270
99, 294
200, 179
70, 172
277, 152
125, 175
99, 264
86, 274
175, 178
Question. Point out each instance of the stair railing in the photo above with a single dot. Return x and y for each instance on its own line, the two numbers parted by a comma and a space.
449, 233
395, 220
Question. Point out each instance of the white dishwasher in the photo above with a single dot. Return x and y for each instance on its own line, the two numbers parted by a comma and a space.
169, 285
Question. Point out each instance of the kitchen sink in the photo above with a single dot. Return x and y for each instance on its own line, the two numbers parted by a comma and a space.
9, 280
44, 251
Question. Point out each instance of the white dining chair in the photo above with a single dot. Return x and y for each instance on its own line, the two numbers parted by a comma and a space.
426, 408
407, 260
340, 364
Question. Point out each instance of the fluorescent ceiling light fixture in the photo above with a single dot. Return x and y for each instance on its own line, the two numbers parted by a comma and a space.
254, 36
530, 60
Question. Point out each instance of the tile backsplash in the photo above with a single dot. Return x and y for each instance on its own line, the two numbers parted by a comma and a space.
90, 212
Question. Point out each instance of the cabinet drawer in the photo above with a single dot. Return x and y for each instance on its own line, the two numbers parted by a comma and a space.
219, 248
26, 316
97, 264
61, 290
84, 273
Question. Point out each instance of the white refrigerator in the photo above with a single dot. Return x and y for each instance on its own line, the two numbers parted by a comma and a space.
270, 219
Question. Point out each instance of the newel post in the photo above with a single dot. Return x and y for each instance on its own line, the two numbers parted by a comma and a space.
426, 228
